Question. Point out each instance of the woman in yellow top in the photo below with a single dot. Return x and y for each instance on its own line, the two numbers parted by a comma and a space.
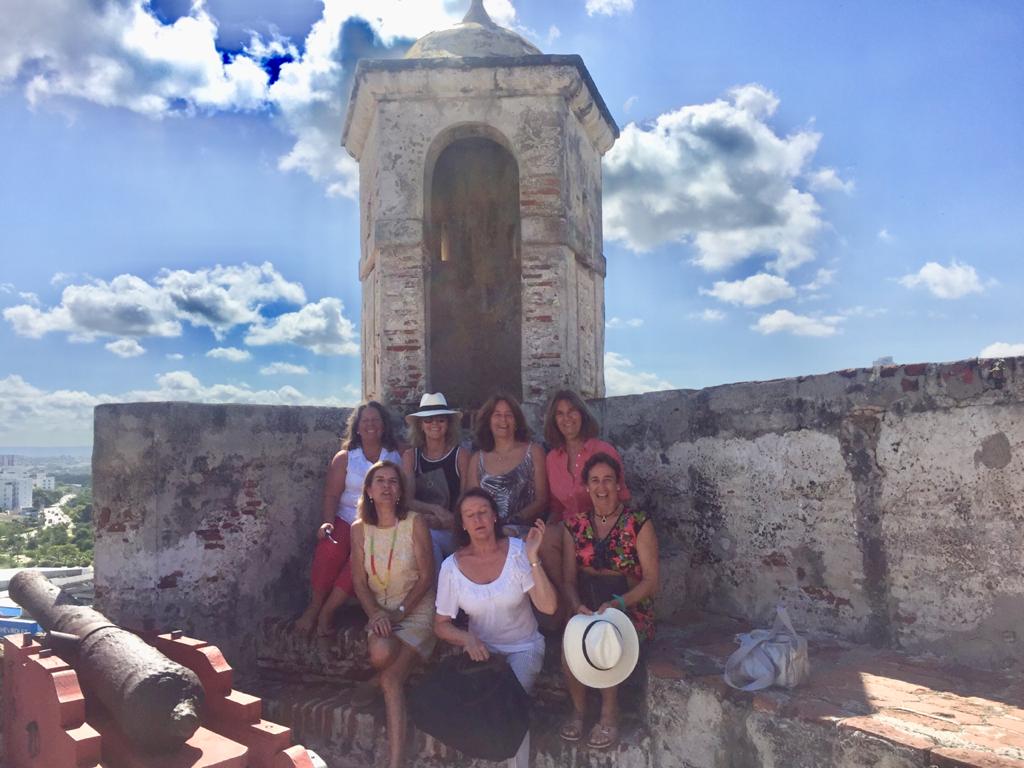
393, 574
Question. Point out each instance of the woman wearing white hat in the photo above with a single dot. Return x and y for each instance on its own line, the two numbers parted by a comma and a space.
610, 583
435, 467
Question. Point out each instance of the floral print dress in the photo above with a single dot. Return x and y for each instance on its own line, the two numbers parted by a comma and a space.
618, 552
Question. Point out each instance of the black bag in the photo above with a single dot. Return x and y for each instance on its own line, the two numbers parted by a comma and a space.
478, 708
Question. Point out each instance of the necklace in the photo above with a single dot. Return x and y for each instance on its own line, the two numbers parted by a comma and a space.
605, 518
373, 558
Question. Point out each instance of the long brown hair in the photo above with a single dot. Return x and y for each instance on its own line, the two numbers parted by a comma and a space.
461, 535
352, 439
484, 436
588, 426
366, 509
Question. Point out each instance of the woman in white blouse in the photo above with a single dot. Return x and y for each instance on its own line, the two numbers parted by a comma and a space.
494, 579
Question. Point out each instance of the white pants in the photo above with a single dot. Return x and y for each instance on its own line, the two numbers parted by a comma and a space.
526, 666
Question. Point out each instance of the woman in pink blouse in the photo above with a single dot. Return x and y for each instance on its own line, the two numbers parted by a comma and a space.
571, 432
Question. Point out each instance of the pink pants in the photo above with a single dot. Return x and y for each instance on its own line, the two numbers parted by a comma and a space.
332, 568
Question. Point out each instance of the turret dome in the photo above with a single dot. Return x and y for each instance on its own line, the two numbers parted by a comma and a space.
476, 37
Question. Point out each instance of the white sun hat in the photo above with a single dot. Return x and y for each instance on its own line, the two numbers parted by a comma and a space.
602, 649
431, 404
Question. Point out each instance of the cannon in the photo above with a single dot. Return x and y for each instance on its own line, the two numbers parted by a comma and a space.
155, 701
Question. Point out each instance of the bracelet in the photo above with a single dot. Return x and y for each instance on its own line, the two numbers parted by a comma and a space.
535, 564
621, 601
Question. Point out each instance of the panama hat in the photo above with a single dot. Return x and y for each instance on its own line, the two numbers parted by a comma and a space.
431, 404
601, 649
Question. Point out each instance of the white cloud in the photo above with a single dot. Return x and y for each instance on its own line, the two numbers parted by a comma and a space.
717, 176
284, 368
630, 103
7, 288
828, 179
952, 282
621, 379
1003, 349
754, 291
709, 316
59, 278
884, 236
33, 416
175, 356
219, 298
321, 327
784, 321
117, 53
630, 322
822, 278
30, 297
231, 354
126, 348
553, 34
609, 7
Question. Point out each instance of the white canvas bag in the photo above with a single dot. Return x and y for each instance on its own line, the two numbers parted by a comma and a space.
766, 657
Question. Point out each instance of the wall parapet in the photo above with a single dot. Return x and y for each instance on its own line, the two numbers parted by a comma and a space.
883, 505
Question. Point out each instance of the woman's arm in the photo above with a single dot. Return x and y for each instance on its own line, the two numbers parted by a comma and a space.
543, 594
333, 488
462, 638
535, 508
423, 552
647, 552
379, 622
462, 464
570, 574
472, 476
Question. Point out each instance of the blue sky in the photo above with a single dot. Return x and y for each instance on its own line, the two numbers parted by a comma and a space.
799, 187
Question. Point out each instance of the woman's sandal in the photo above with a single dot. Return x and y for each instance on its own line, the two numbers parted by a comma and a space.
572, 728
603, 736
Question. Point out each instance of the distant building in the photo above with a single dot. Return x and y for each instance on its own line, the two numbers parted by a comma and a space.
45, 482
15, 492
8, 460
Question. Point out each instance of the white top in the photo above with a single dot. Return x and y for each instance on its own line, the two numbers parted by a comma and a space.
500, 613
358, 466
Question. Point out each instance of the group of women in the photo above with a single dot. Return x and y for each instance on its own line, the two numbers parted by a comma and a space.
503, 535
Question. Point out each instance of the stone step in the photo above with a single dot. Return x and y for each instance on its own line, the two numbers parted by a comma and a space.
861, 707
321, 716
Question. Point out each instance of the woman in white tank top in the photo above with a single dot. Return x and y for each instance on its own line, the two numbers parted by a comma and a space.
368, 439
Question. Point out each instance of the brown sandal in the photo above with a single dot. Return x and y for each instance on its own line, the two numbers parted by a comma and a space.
603, 736
572, 728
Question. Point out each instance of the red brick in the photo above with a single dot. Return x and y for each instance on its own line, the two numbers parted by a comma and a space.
872, 726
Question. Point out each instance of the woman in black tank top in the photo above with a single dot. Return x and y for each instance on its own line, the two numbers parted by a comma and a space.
435, 467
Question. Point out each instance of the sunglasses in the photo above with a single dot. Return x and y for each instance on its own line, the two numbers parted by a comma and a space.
434, 419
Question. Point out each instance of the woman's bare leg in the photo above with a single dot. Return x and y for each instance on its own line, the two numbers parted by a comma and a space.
307, 621
333, 602
392, 683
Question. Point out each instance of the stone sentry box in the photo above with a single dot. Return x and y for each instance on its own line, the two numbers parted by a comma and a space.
480, 202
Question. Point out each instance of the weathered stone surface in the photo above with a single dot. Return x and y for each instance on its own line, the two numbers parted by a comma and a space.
205, 514
544, 113
885, 514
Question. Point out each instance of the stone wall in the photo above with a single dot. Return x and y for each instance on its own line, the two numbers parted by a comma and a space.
205, 514
883, 505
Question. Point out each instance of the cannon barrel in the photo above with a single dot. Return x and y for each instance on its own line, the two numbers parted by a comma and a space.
154, 700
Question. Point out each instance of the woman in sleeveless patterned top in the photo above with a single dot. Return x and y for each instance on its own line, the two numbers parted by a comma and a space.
508, 465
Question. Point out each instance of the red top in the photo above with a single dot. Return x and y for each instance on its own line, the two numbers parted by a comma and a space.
568, 495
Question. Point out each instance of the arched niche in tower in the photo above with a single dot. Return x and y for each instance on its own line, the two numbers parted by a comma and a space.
474, 267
